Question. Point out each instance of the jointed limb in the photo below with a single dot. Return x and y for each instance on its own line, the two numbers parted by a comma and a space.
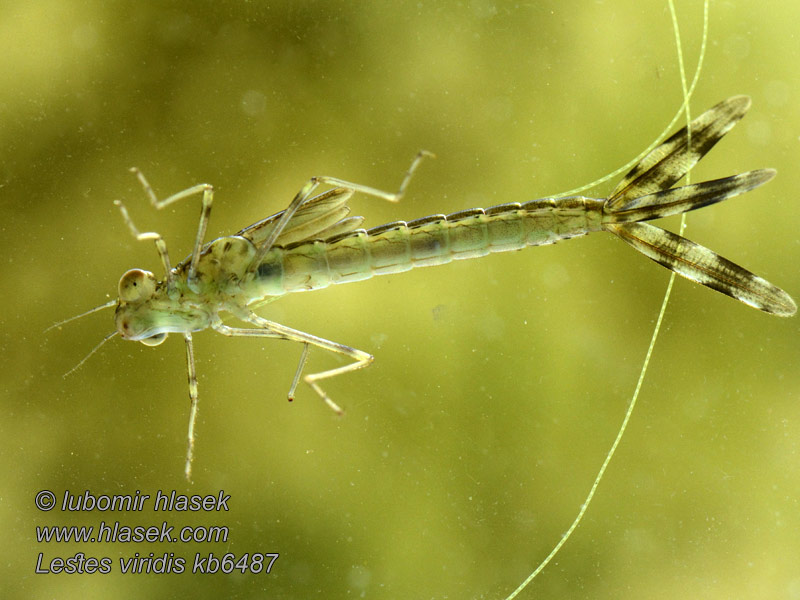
306, 193
267, 328
192, 374
300, 366
193, 398
205, 211
161, 246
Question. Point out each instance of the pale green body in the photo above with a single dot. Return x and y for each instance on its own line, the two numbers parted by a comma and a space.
434, 240
314, 243
225, 279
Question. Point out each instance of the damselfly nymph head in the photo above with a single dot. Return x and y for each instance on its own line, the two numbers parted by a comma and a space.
146, 313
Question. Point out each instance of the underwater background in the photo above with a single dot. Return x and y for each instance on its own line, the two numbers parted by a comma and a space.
498, 385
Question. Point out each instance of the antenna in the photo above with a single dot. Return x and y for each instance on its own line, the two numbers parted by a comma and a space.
92, 351
108, 304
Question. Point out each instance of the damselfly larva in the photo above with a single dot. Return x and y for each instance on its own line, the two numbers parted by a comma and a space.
314, 243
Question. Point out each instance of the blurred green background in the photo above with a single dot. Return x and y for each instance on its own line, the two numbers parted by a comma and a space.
498, 386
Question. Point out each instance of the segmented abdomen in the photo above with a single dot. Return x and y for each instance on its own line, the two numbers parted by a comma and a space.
434, 240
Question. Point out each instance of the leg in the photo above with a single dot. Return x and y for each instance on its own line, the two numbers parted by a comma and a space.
307, 190
205, 212
192, 374
271, 329
369, 191
161, 246
300, 366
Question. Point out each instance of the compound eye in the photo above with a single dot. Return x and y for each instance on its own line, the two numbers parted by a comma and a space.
136, 285
154, 340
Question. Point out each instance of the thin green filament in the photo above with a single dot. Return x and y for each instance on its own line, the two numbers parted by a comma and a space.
687, 93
